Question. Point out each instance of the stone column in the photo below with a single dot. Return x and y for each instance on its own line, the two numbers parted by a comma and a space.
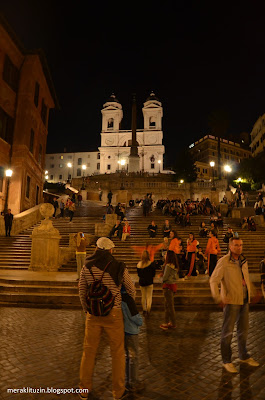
45, 251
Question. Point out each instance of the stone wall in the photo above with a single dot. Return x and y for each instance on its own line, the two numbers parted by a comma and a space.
22, 221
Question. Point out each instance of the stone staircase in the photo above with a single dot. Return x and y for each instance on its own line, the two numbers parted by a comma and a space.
21, 287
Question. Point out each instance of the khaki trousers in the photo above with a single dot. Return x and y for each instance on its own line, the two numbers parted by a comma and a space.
147, 294
124, 236
113, 326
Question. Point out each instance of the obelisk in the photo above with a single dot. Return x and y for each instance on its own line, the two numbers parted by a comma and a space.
134, 159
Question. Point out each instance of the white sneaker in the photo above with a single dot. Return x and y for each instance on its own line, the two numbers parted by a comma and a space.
230, 368
250, 362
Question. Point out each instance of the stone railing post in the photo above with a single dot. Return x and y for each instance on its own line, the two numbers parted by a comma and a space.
45, 250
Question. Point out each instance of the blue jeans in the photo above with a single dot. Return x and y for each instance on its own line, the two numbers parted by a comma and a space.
238, 314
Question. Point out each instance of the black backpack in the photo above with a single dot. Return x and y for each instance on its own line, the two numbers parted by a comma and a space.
100, 300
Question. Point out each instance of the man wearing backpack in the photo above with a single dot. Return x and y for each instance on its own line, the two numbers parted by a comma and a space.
102, 271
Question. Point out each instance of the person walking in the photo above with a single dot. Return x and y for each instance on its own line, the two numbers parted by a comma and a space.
232, 272
55, 205
80, 253
211, 251
132, 323
146, 271
79, 199
114, 276
109, 196
71, 210
170, 277
8, 217
62, 205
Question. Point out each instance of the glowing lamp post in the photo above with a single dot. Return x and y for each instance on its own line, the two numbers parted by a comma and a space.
8, 174
159, 162
227, 169
212, 164
69, 165
181, 181
83, 168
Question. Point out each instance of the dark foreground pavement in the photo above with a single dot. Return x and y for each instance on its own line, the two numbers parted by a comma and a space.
42, 348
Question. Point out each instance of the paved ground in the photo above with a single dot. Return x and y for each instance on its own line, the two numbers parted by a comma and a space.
42, 348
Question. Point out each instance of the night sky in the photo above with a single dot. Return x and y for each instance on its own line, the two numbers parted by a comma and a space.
196, 56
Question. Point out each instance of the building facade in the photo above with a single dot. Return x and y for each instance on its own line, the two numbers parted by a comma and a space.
205, 151
258, 136
63, 166
115, 143
26, 96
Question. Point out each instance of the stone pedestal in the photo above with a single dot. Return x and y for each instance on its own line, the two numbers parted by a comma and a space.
45, 251
121, 196
223, 209
214, 197
134, 164
236, 213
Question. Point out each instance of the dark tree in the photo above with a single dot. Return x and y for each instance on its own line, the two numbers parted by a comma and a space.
185, 167
218, 122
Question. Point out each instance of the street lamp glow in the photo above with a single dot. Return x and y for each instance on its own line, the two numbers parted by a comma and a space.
123, 162
181, 181
212, 163
239, 179
69, 165
84, 167
227, 168
46, 177
159, 161
9, 173
46, 172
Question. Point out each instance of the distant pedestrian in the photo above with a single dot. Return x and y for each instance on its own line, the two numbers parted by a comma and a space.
109, 196
170, 277
79, 199
100, 194
62, 205
71, 209
8, 217
126, 231
55, 205
232, 273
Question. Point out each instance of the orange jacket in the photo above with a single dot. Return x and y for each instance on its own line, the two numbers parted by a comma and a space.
191, 246
213, 246
175, 245
126, 229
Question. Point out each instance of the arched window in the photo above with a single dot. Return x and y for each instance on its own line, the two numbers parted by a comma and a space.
110, 123
152, 122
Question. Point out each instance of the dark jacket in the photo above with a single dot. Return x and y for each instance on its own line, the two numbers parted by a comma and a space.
101, 258
146, 274
8, 219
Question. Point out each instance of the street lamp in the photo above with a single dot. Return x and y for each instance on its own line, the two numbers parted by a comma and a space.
159, 162
8, 174
212, 164
227, 169
69, 165
181, 181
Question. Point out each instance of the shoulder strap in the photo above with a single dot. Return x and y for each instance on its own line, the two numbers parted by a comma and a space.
105, 270
90, 270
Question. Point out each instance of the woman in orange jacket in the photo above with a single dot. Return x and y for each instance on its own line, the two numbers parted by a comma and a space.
192, 244
212, 250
